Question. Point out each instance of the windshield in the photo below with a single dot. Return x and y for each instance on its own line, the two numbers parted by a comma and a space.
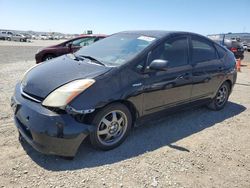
116, 49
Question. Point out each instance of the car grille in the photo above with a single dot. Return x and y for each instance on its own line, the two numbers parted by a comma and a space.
24, 129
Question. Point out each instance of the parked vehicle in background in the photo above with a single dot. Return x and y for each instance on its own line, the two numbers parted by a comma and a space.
5, 35
102, 89
17, 37
243, 38
233, 45
244, 45
69, 46
28, 36
43, 37
56, 37
53, 37
248, 47
34, 37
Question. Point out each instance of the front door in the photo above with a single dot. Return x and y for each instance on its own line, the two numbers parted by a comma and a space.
164, 89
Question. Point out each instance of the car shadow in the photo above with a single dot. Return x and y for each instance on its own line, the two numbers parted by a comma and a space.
152, 135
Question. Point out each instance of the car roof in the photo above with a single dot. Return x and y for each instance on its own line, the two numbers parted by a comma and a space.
159, 33
92, 35
153, 33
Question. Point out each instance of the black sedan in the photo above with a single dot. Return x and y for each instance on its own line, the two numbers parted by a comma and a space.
101, 90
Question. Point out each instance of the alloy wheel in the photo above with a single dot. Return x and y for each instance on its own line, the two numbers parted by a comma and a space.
222, 95
112, 127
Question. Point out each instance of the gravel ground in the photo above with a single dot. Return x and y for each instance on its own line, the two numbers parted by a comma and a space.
193, 148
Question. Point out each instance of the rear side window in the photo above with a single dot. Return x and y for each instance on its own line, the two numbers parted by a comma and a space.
202, 50
220, 50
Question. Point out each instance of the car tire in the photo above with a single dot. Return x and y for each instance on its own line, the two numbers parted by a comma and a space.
221, 97
20, 138
8, 38
112, 125
48, 57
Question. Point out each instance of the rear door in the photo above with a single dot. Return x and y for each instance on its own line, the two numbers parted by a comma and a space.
164, 89
207, 68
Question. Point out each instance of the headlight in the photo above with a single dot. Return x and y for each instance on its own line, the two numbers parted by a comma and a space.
66, 93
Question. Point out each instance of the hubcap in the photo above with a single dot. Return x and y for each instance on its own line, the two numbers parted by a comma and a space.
222, 95
112, 127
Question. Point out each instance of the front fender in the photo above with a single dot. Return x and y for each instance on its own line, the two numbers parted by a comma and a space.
108, 89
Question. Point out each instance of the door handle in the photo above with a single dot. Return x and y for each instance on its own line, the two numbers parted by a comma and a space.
184, 76
136, 84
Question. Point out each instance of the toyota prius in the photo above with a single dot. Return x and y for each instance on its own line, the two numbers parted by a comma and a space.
100, 91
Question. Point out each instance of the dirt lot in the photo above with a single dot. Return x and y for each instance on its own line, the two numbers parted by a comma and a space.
193, 148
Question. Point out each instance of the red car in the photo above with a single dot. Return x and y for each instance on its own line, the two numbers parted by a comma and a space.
66, 47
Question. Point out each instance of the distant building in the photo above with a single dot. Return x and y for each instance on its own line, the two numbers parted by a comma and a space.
88, 32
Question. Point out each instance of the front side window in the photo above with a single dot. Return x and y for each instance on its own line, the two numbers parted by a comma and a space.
202, 50
117, 49
175, 51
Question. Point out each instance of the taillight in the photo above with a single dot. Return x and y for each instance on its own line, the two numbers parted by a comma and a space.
234, 49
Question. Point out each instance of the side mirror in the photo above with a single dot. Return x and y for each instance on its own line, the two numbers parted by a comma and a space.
158, 64
69, 45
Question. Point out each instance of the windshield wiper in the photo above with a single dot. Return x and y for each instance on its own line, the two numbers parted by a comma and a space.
93, 59
75, 57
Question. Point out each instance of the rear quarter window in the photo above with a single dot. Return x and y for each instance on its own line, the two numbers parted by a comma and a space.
221, 51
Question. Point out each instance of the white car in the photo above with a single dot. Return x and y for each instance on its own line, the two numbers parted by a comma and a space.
244, 44
43, 37
34, 37
248, 47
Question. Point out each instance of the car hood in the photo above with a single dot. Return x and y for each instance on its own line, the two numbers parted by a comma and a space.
46, 77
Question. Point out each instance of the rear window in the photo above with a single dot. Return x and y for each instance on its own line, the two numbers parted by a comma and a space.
202, 50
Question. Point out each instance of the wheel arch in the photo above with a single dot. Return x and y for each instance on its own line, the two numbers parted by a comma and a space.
46, 54
230, 83
131, 107
134, 112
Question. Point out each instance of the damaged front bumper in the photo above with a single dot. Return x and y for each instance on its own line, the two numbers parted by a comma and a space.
46, 131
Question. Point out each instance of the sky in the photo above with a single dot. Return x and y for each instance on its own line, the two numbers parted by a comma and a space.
110, 16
